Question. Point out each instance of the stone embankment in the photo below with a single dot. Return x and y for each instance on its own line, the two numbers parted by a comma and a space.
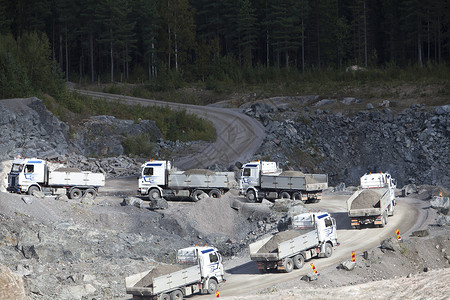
411, 144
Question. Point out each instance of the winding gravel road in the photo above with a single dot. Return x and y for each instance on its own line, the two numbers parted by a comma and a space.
238, 135
243, 277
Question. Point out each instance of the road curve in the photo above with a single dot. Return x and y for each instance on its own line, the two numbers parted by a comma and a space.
243, 277
238, 135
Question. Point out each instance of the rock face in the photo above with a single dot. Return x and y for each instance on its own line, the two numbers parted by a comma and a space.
412, 144
29, 129
103, 135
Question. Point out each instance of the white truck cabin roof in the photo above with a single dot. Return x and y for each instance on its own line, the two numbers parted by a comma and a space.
374, 180
264, 166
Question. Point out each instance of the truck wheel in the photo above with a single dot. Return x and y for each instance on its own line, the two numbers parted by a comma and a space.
285, 195
176, 295
32, 189
92, 193
212, 286
383, 220
214, 194
297, 196
299, 261
75, 194
196, 195
164, 297
288, 264
251, 196
328, 250
154, 194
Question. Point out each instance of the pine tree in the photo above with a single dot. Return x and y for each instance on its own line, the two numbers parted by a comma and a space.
147, 27
246, 27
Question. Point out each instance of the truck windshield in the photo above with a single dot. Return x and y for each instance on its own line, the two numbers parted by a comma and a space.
16, 168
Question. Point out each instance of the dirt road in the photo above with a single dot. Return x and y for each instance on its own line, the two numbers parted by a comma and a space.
243, 277
238, 135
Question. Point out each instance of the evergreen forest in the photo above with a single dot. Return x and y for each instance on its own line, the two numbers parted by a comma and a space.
138, 41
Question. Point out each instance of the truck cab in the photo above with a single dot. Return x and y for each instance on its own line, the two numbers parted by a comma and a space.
322, 221
251, 174
208, 258
26, 173
153, 174
377, 180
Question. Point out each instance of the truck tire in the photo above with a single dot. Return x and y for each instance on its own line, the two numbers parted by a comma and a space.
196, 195
164, 297
176, 295
288, 264
214, 194
383, 220
32, 189
92, 193
299, 261
285, 195
212, 286
328, 250
297, 196
251, 196
154, 194
75, 194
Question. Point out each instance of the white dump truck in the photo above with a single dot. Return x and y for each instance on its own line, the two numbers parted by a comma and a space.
312, 234
202, 272
158, 179
264, 179
31, 174
373, 202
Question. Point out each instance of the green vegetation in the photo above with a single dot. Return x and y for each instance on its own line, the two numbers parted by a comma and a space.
174, 124
26, 70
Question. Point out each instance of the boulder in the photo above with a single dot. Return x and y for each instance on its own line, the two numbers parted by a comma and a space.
348, 265
409, 189
443, 220
160, 203
440, 202
310, 277
390, 244
11, 284
440, 110
420, 233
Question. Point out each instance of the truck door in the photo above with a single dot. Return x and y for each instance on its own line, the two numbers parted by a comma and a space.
211, 263
325, 228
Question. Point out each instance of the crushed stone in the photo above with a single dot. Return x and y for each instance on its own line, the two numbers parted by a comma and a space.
367, 199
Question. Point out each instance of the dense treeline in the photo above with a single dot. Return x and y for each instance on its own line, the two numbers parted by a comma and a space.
138, 40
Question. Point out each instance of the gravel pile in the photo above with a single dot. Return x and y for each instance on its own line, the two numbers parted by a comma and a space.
272, 245
159, 270
292, 174
366, 199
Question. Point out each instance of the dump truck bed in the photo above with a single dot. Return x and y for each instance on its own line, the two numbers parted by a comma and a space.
283, 244
295, 181
368, 202
143, 284
69, 178
221, 180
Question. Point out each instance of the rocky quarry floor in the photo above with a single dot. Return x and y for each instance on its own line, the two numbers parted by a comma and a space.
62, 249
54, 248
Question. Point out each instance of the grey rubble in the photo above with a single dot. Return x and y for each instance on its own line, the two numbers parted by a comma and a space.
30, 130
412, 144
